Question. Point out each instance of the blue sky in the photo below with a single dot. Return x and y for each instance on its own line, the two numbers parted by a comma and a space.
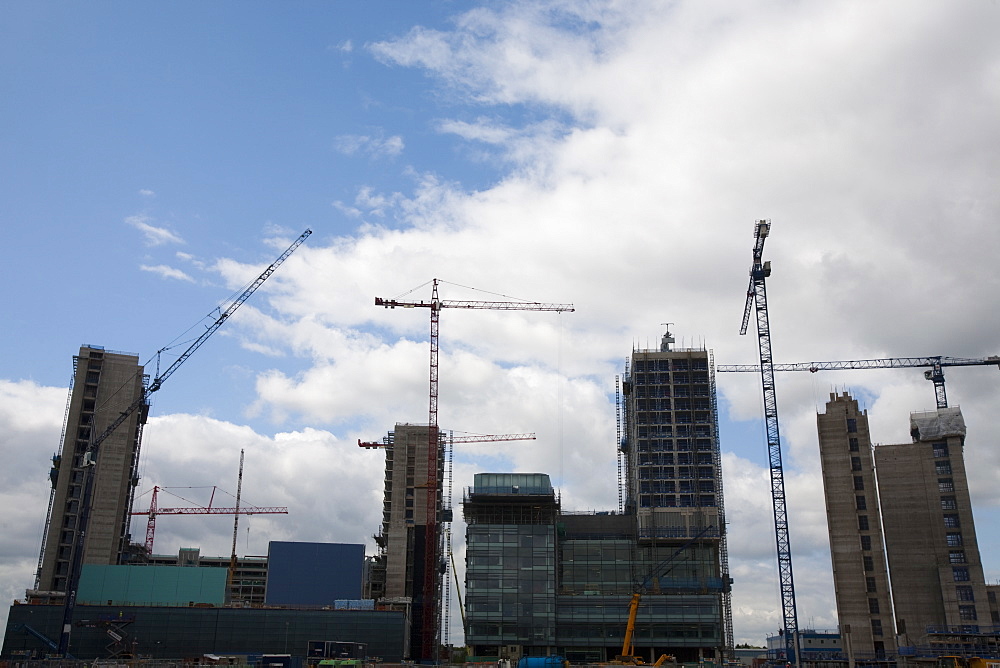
610, 154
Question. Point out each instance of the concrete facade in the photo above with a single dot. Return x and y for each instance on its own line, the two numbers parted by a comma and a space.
860, 575
901, 525
104, 385
934, 563
397, 574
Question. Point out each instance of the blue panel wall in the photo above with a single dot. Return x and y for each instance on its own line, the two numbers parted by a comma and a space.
313, 574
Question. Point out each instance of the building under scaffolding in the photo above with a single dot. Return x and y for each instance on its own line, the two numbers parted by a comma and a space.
672, 484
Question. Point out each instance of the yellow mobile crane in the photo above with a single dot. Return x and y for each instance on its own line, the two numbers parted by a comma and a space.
628, 657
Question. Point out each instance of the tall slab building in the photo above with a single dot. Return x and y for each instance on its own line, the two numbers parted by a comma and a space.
399, 569
929, 560
673, 468
860, 575
934, 564
104, 385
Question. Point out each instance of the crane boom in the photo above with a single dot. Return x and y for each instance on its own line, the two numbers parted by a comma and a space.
936, 364
470, 438
158, 381
757, 301
154, 511
90, 457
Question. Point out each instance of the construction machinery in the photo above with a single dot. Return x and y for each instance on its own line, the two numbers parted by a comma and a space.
757, 303
429, 635
935, 372
142, 403
628, 657
154, 511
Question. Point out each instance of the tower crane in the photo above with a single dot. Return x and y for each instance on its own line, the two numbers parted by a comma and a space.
154, 511
934, 373
142, 404
757, 302
435, 305
468, 438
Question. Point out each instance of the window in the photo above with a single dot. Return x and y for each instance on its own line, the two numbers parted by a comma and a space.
960, 573
869, 563
852, 424
956, 557
965, 593
860, 502
954, 539
855, 463
948, 503
876, 627
866, 542
852, 444
863, 523
870, 585
940, 449
946, 485
942, 468
859, 482
873, 606
951, 521
967, 612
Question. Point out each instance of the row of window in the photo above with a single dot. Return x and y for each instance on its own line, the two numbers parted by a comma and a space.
699, 416
683, 458
679, 501
668, 364
669, 472
663, 378
672, 487
680, 445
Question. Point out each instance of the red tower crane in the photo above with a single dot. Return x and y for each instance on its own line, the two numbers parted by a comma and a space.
429, 607
154, 510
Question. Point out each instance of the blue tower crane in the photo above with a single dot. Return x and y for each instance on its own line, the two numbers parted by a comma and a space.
757, 302
141, 404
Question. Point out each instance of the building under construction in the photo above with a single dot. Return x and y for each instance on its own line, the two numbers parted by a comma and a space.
922, 589
129, 602
672, 484
104, 384
401, 566
541, 580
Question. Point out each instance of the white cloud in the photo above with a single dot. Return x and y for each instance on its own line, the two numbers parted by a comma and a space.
166, 272
375, 146
147, 193
155, 236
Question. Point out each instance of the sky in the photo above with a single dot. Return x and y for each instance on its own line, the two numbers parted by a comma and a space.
612, 154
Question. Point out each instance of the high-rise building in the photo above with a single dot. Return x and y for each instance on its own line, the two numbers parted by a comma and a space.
399, 569
934, 565
860, 575
929, 563
673, 471
104, 385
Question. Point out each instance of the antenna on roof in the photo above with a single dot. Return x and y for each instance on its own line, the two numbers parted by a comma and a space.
667, 339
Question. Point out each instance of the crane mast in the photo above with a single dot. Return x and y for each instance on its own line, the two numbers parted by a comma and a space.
757, 303
431, 533
142, 402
